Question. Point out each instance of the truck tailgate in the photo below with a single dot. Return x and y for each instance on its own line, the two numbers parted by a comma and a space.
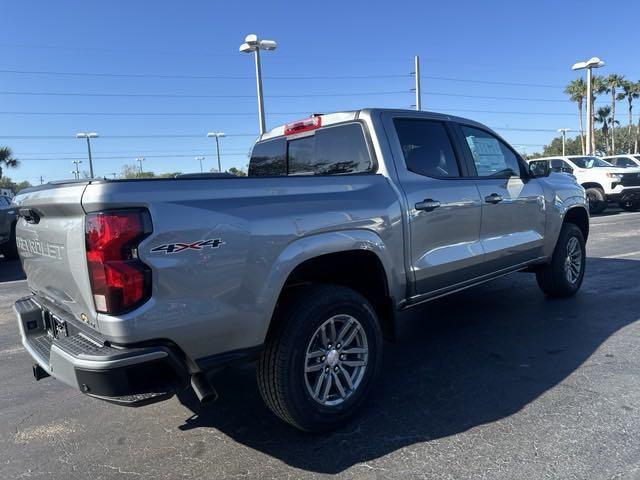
51, 242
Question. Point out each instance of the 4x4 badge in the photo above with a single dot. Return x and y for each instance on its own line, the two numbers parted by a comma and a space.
182, 246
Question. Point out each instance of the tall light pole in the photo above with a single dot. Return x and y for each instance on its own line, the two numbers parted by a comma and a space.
252, 44
564, 131
140, 160
88, 136
590, 64
76, 172
217, 136
416, 73
200, 159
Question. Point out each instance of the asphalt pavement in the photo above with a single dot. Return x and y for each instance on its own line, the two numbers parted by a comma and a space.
495, 382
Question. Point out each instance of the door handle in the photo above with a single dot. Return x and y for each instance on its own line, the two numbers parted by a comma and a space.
427, 205
493, 198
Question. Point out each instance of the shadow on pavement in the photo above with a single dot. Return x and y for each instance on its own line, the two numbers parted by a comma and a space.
465, 360
10, 270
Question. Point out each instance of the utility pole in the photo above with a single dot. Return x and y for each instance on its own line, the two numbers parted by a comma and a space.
252, 44
140, 160
416, 73
564, 131
200, 159
76, 172
88, 136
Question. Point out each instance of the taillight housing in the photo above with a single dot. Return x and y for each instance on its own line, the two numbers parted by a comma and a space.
120, 281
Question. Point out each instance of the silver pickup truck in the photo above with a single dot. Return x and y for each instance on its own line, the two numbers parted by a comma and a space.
141, 288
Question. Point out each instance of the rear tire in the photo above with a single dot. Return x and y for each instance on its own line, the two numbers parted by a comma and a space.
630, 206
10, 249
299, 359
597, 200
563, 276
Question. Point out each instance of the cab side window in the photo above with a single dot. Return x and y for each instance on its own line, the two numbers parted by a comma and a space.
427, 148
621, 162
492, 158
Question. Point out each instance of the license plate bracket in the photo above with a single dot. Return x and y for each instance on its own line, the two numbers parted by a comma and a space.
55, 325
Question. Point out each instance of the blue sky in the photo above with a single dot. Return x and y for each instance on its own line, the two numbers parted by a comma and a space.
532, 43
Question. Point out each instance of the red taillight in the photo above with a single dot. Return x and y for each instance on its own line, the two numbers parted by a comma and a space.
303, 125
119, 279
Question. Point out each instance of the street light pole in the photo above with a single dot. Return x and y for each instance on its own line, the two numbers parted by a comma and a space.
564, 131
200, 159
217, 136
140, 160
88, 136
416, 72
252, 44
590, 64
76, 172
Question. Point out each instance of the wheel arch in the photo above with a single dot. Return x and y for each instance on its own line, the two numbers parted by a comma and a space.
586, 185
355, 259
580, 217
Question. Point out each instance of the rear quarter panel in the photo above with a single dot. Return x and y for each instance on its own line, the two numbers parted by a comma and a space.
220, 299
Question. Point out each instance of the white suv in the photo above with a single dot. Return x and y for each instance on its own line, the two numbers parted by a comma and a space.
602, 181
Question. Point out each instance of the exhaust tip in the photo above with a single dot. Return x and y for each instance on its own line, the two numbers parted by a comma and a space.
203, 388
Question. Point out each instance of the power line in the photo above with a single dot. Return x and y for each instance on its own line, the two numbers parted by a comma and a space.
158, 135
153, 114
144, 152
126, 157
178, 95
198, 77
490, 82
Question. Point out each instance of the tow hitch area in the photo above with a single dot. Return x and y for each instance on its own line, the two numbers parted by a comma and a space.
39, 373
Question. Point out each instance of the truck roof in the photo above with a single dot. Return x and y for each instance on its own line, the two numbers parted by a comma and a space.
350, 115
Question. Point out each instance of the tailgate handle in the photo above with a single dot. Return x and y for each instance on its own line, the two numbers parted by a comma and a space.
30, 215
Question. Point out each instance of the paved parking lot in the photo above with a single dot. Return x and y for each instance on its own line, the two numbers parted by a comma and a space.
495, 382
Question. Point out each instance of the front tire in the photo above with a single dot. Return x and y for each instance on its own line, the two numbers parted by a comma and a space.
597, 200
321, 360
630, 205
563, 276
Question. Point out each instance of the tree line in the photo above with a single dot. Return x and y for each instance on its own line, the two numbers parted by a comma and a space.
613, 139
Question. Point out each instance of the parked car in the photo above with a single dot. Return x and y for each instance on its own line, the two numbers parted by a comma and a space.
7, 228
602, 181
142, 286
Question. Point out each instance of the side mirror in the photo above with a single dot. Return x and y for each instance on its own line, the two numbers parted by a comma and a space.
539, 168
567, 170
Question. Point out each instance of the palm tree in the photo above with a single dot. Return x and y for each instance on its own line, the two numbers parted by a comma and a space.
598, 86
613, 81
601, 116
577, 91
635, 150
630, 91
6, 159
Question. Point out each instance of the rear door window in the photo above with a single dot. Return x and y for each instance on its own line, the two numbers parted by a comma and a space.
268, 158
427, 148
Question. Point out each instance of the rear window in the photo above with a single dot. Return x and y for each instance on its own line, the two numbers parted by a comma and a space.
330, 151
268, 158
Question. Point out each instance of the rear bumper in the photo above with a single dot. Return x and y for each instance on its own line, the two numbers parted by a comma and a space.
127, 376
